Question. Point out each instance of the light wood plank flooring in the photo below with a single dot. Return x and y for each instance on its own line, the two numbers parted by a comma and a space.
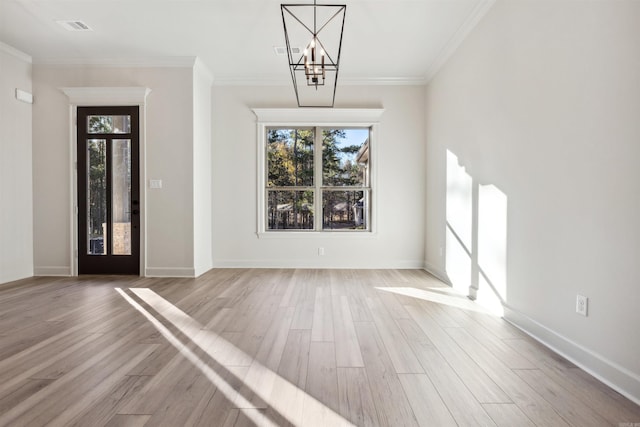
301, 347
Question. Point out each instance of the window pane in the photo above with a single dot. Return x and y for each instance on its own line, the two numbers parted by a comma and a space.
109, 124
290, 210
121, 196
289, 157
345, 157
345, 210
97, 196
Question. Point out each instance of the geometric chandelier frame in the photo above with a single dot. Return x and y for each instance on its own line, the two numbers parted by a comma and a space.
316, 31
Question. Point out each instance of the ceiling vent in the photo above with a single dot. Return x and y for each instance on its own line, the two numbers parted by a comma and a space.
74, 25
281, 50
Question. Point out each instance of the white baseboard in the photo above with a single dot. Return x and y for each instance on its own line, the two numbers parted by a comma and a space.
52, 271
435, 271
400, 265
615, 376
169, 272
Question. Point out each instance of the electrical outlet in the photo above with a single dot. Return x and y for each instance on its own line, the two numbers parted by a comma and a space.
320, 251
582, 304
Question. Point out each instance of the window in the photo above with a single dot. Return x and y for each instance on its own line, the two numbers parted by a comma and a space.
309, 167
315, 178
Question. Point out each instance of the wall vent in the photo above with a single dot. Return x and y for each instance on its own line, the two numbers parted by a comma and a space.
281, 50
74, 26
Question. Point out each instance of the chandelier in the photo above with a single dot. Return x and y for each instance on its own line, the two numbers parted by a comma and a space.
313, 35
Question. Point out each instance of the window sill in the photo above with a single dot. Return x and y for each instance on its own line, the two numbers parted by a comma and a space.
317, 235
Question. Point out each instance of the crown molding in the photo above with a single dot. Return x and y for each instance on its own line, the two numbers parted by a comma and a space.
476, 14
164, 62
383, 81
348, 81
15, 52
250, 81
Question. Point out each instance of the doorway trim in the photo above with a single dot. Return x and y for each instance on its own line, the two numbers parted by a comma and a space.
101, 97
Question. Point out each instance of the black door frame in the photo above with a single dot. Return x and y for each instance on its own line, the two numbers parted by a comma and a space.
108, 263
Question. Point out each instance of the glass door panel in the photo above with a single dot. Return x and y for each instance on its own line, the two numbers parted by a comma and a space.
96, 196
121, 196
108, 124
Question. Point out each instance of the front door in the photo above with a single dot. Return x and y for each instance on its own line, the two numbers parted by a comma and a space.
108, 190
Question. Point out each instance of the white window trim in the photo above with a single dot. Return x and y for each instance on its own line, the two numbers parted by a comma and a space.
311, 117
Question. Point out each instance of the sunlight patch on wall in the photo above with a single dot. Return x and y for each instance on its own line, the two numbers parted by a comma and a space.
492, 246
459, 224
476, 237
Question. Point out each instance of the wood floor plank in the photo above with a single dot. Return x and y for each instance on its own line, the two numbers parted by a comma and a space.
462, 404
356, 400
609, 403
507, 415
18, 371
483, 387
262, 373
321, 405
390, 301
412, 332
357, 302
303, 317
510, 357
253, 417
426, 402
568, 406
400, 353
526, 397
322, 378
606, 402
295, 358
391, 405
49, 407
322, 326
104, 411
21, 391
179, 404
220, 402
442, 316
346, 341
128, 421
539, 354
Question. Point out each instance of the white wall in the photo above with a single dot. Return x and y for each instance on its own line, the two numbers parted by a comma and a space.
202, 81
169, 157
399, 193
16, 207
542, 101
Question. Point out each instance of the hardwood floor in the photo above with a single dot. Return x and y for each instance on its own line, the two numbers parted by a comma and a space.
240, 347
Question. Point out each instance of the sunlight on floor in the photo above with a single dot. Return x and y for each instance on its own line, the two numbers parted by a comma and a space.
269, 388
454, 299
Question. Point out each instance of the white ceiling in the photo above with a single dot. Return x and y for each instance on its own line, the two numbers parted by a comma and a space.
384, 40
